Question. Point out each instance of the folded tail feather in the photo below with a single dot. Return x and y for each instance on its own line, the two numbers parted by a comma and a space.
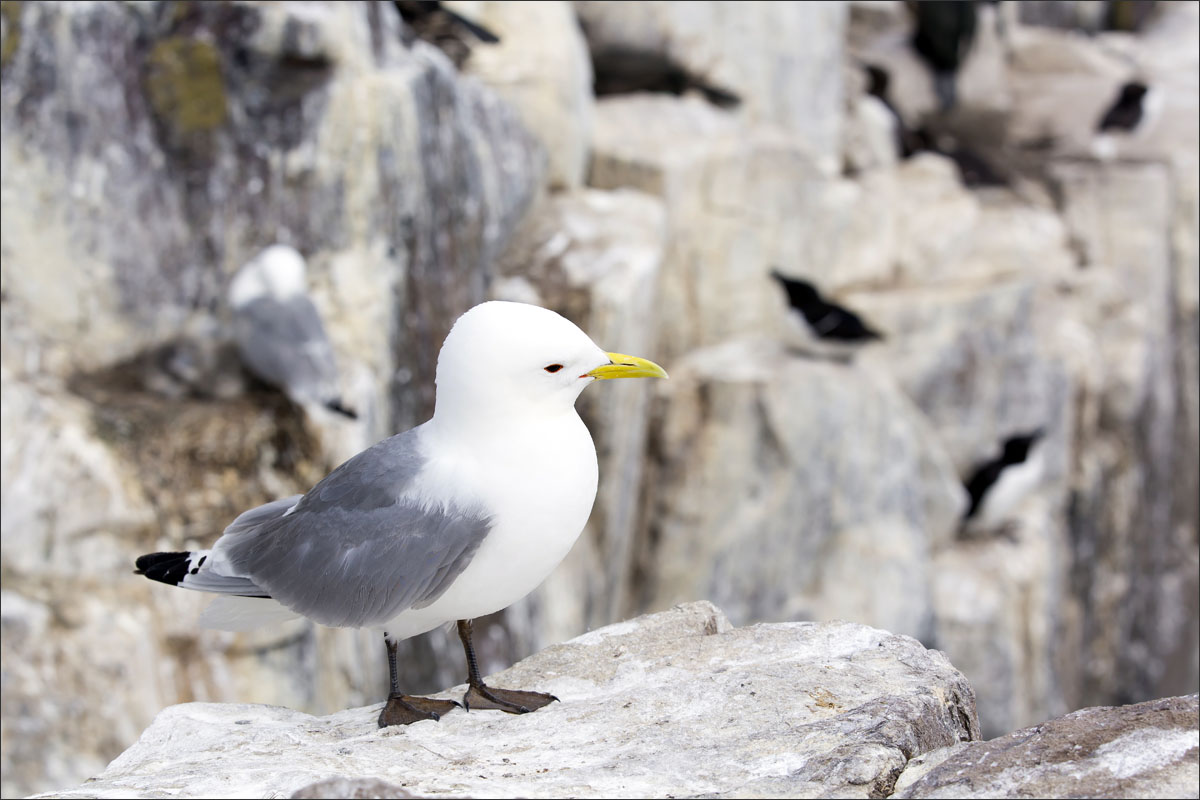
241, 605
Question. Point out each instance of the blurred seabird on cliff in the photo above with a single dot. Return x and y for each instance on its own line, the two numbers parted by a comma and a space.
974, 168
945, 30
835, 329
624, 70
1131, 115
999, 485
279, 332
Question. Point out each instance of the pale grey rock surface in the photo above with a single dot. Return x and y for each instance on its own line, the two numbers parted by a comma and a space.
747, 48
131, 234
1003, 311
1150, 749
742, 198
937, 219
541, 66
805, 510
1130, 426
672, 703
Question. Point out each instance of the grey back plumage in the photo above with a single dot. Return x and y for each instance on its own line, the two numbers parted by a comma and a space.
284, 343
260, 514
211, 580
353, 552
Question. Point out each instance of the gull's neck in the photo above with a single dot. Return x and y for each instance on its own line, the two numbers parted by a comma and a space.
472, 424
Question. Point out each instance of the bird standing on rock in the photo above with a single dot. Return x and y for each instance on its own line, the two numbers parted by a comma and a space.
454, 519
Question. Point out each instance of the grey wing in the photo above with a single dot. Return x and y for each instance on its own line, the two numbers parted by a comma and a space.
351, 553
207, 576
260, 514
285, 344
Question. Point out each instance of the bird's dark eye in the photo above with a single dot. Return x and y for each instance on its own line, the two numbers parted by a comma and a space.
553, 368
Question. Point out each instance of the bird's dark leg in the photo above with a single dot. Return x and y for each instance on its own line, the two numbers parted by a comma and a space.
403, 709
480, 696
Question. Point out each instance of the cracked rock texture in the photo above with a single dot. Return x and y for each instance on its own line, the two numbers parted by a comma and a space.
1145, 750
674, 703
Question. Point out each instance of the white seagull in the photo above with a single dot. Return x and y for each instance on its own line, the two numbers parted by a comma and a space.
279, 332
454, 519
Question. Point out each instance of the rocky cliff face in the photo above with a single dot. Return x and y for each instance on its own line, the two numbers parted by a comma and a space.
149, 150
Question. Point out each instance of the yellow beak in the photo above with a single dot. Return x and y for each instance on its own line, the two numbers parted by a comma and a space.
624, 366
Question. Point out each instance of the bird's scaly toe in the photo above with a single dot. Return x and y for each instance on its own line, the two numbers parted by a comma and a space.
514, 701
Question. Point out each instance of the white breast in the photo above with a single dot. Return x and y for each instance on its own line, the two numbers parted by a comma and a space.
540, 485
1012, 487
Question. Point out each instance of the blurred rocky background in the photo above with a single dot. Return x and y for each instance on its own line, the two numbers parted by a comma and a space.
640, 167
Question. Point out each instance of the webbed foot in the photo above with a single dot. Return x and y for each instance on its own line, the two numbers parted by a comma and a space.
403, 709
514, 701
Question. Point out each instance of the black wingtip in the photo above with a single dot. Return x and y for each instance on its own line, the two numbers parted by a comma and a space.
164, 567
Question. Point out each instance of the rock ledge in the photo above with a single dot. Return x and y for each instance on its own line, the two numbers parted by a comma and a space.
676, 703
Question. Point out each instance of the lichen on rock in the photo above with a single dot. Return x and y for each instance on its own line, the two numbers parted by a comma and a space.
184, 85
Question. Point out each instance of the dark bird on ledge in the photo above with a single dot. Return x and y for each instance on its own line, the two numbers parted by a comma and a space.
945, 31
1132, 115
974, 168
997, 486
826, 319
1127, 110
624, 70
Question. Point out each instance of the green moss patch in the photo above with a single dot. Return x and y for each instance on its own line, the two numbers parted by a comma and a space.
184, 85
